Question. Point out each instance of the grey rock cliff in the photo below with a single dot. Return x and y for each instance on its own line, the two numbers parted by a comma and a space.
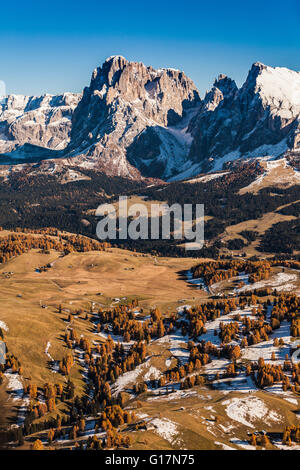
43, 121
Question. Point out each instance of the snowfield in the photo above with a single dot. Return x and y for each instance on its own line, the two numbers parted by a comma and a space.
175, 396
16, 389
166, 429
224, 446
247, 410
14, 385
152, 374
130, 378
292, 400
3, 326
207, 178
266, 348
243, 444
281, 281
274, 151
279, 88
281, 446
177, 346
215, 325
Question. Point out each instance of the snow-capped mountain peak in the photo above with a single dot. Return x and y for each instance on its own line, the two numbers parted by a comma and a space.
259, 119
134, 120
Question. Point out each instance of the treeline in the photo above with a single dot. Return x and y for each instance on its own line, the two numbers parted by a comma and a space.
41, 200
16, 244
35, 201
291, 434
216, 271
283, 237
121, 322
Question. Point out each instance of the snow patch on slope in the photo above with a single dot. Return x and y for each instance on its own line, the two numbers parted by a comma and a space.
279, 88
207, 178
166, 429
3, 326
247, 410
281, 281
273, 151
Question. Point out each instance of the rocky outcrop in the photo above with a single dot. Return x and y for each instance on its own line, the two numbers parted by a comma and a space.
44, 121
130, 119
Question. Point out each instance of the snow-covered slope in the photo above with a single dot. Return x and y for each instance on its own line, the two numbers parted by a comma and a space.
279, 89
259, 119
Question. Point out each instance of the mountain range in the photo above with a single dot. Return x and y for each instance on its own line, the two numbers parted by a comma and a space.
137, 122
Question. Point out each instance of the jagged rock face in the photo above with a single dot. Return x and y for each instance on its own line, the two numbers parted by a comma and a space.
44, 121
134, 121
261, 118
223, 88
124, 101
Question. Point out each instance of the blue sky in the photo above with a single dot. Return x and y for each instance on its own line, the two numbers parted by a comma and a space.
51, 47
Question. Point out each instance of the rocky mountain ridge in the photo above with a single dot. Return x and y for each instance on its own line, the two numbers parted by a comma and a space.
38, 120
134, 121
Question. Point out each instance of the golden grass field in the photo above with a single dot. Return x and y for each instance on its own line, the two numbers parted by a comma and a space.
279, 174
75, 281
80, 279
203, 422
